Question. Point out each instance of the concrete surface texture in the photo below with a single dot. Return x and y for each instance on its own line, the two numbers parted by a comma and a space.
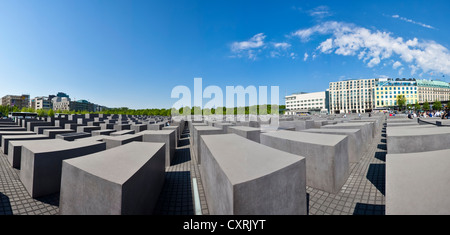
356, 145
115, 141
250, 133
40, 167
250, 178
124, 132
199, 131
102, 132
418, 183
327, 164
162, 136
411, 139
122, 181
7, 138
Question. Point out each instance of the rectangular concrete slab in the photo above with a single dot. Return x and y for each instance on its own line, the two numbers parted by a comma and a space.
163, 136
102, 132
15, 133
72, 136
7, 138
418, 183
15, 150
366, 129
411, 140
41, 162
124, 132
88, 129
327, 164
250, 178
115, 141
356, 145
250, 133
51, 133
199, 131
40, 129
126, 180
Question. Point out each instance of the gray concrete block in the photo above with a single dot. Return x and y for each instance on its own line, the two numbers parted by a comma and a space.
163, 136
15, 150
72, 136
6, 138
356, 145
51, 133
121, 127
87, 129
2, 133
138, 127
250, 178
40, 129
412, 139
177, 132
102, 132
124, 132
107, 126
122, 181
366, 129
223, 125
41, 162
155, 126
250, 133
31, 125
73, 126
327, 164
418, 183
115, 141
199, 131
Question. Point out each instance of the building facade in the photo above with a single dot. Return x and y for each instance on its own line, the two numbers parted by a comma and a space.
20, 101
431, 91
388, 89
306, 102
82, 105
41, 102
61, 103
352, 96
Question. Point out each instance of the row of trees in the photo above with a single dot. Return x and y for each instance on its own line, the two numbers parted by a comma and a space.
5, 110
254, 109
401, 102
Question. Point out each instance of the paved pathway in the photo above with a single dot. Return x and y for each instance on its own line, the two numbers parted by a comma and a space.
363, 193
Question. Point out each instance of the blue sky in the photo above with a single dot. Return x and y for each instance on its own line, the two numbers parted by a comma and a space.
133, 53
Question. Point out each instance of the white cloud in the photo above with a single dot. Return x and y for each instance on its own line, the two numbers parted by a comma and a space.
412, 21
373, 47
249, 48
281, 45
320, 11
305, 57
396, 64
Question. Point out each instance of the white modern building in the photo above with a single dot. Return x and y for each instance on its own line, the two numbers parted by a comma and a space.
306, 102
352, 96
41, 102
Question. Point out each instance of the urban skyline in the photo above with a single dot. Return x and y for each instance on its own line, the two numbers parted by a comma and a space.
136, 52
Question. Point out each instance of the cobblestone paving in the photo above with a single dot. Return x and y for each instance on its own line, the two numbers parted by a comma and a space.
362, 194
14, 198
364, 191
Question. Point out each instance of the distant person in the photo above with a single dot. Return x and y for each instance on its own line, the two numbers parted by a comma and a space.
409, 116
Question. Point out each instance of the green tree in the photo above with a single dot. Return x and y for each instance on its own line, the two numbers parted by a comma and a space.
401, 101
437, 105
51, 113
416, 106
426, 106
41, 113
